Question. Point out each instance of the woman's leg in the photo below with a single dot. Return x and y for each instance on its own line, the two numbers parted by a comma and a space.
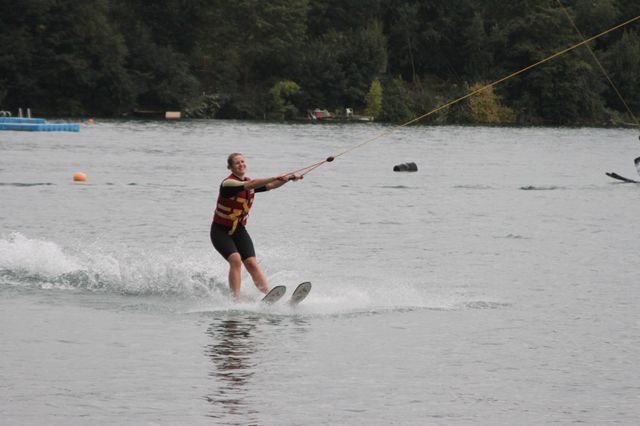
258, 277
235, 266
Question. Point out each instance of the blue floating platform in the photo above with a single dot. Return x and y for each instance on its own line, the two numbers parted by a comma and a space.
36, 125
21, 120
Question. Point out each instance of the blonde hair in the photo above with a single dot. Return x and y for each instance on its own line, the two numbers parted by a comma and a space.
231, 157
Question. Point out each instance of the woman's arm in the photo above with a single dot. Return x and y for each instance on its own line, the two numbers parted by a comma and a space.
259, 182
272, 182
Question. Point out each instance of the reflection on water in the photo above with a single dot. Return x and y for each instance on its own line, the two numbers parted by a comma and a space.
235, 352
232, 356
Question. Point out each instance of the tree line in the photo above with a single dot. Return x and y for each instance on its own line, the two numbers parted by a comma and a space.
253, 59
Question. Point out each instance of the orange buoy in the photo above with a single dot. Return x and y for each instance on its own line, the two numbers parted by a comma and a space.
79, 177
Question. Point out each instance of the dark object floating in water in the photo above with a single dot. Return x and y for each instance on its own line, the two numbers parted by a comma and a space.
405, 167
538, 188
21, 184
621, 178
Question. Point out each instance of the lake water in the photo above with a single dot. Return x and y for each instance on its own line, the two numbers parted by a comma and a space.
498, 285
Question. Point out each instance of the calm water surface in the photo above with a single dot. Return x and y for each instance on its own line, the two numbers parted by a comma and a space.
498, 285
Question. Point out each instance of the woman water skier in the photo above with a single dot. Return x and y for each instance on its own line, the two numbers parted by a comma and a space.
228, 233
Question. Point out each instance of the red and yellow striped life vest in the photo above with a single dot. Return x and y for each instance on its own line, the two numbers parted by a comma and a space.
231, 211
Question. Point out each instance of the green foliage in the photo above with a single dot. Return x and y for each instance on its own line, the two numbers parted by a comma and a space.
249, 40
64, 58
341, 15
394, 105
239, 59
374, 99
280, 107
622, 61
477, 49
563, 91
403, 28
486, 107
205, 106
364, 59
283, 89
595, 16
161, 75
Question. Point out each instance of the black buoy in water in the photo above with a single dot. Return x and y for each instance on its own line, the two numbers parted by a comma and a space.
405, 167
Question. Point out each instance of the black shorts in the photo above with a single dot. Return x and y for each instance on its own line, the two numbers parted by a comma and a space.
226, 244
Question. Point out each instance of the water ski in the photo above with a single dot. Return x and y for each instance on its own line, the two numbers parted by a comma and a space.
621, 178
274, 294
300, 293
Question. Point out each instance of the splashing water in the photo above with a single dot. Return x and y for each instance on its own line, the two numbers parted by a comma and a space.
44, 264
